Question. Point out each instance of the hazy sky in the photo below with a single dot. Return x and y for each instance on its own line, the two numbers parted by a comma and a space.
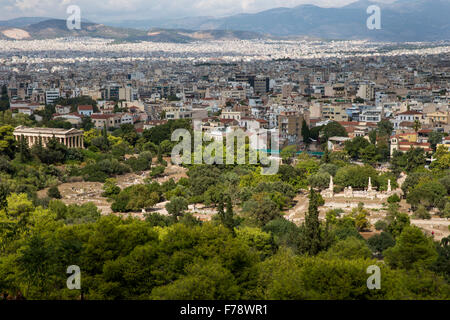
106, 10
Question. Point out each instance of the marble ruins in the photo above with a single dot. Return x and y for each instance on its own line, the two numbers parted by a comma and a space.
71, 138
369, 193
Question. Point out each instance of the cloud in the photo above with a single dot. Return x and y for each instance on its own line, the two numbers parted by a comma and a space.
104, 10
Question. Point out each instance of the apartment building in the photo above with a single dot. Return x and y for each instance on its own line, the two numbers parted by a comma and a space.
290, 126
52, 95
334, 112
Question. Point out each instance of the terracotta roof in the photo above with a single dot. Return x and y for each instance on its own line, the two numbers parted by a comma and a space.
227, 120
410, 112
348, 123
103, 116
86, 108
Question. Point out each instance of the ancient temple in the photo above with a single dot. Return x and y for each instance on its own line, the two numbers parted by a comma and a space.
71, 138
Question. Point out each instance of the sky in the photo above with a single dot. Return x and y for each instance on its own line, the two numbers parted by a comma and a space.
113, 10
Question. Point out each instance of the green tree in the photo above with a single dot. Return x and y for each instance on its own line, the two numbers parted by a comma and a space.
227, 216
369, 154
435, 138
355, 147
385, 128
360, 215
261, 209
54, 193
333, 129
319, 180
397, 221
417, 125
24, 150
427, 193
207, 280
4, 99
413, 249
422, 213
380, 242
373, 137
350, 248
134, 198
311, 231
394, 198
409, 161
442, 263
110, 188
176, 207
7, 141
305, 132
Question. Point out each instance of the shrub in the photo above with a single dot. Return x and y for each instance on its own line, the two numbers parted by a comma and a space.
381, 225
394, 198
53, 192
380, 242
134, 198
422, 213
157, 171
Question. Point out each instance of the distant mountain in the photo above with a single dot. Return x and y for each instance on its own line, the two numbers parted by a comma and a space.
403, 20
189, 23
55, 28
22, 22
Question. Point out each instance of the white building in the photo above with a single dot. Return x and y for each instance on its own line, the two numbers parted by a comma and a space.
52, 95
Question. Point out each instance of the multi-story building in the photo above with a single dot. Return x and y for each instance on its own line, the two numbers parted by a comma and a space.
371, 115
111, 92
261, 85
109, 120
334, 112
229, 114
290, 126
366, 91
52, 95
177, 112
437, 119
406, 141
405, 119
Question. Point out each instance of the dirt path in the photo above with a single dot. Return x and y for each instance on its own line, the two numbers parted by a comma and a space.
297, 213
437, 225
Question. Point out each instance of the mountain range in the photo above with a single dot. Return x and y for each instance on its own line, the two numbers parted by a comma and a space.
403, 20
44, 28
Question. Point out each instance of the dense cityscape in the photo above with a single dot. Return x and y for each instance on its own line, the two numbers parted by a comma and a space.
88, 177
